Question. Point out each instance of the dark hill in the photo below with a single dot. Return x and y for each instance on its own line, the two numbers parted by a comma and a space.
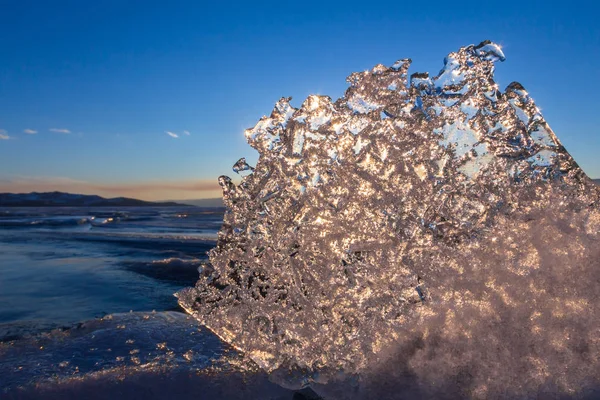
60, 199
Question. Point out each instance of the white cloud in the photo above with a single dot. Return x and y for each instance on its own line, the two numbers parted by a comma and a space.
172, 134
29, 131
186, 133
56, 130
4, 135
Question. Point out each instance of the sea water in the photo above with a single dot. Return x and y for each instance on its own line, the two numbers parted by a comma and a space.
63, 265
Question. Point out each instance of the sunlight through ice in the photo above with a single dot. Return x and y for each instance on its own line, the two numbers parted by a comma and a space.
450, 248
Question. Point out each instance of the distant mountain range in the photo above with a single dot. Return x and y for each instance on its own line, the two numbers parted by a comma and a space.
60, 199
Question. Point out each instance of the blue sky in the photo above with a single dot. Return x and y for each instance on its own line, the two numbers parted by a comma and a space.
118, 75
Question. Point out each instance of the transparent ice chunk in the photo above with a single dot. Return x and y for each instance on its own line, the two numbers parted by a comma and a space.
381, 232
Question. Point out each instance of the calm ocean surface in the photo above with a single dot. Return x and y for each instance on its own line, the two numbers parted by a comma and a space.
60, 266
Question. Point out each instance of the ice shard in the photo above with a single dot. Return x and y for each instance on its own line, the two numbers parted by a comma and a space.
433, 230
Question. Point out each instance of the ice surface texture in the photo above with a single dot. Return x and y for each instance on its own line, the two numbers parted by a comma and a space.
431, 231
160, 355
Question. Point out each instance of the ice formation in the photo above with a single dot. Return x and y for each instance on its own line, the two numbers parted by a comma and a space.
157, 355
427, 235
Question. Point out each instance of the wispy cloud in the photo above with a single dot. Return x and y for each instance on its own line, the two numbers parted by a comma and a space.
174, 135
4, 135
29, 131
186, 133
57, 130
148, 190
